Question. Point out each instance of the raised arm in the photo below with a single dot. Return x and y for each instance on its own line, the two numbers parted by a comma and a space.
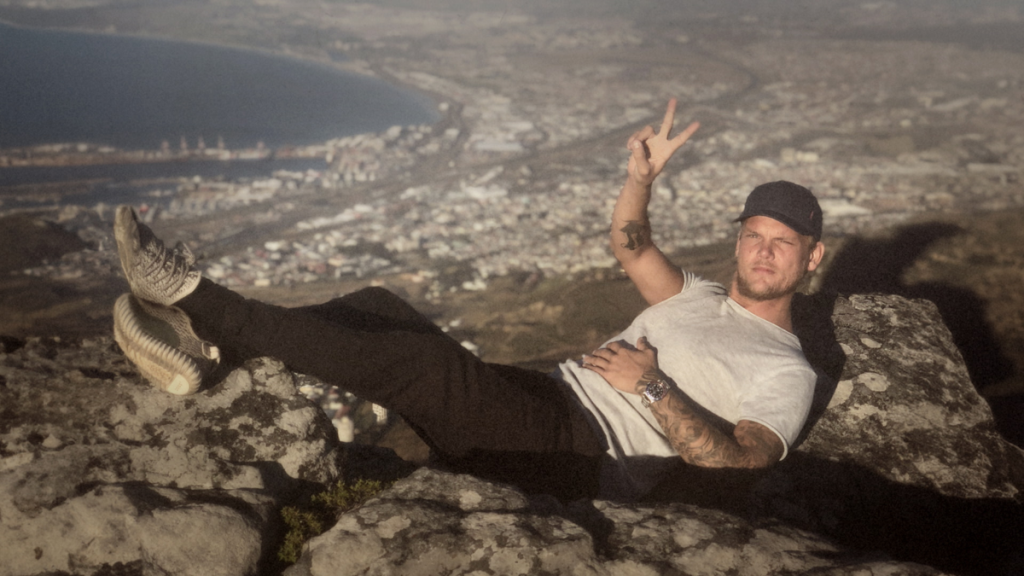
655, 277
698, 442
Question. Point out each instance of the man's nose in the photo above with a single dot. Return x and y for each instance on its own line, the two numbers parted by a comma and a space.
764, 250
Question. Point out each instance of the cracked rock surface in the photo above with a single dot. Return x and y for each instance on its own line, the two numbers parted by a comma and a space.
100, 469
900, 471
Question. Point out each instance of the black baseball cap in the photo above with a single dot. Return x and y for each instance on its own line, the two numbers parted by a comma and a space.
791, 204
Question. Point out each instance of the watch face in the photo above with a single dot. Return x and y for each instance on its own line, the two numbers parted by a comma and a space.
654, 391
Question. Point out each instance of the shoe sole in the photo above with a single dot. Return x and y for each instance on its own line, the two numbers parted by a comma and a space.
160, 342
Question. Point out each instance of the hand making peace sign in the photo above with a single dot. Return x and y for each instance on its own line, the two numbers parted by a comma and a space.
651, 151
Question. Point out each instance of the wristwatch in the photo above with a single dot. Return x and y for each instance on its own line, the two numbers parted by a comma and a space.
654, 391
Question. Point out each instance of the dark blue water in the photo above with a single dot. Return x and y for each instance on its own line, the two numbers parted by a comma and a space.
134, 93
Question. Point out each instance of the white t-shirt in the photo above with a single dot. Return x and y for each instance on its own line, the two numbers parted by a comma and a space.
729, 361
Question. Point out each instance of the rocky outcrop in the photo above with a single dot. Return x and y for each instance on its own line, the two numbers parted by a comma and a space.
435, 523
100, 470
900, 471
904, 406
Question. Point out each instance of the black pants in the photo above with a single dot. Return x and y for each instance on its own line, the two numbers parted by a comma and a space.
500, 422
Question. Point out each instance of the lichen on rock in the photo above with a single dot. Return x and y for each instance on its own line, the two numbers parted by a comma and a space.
899, 461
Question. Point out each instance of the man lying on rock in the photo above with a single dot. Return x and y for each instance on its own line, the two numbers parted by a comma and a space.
706, 373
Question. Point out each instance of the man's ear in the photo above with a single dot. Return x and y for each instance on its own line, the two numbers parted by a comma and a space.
817, 253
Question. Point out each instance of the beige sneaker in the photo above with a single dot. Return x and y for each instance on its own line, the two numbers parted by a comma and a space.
160, 342
154, 273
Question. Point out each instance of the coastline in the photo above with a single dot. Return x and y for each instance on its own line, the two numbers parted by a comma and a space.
366, 70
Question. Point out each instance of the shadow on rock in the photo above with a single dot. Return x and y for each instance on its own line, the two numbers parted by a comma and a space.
877, 266
860, 509
812, 323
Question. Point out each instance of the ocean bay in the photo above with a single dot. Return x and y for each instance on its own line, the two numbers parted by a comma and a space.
136, 93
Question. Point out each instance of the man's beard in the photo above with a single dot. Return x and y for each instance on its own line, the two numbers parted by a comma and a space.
770, 293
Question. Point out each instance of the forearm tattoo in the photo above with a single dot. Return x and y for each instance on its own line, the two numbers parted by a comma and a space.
638, 233
700, 443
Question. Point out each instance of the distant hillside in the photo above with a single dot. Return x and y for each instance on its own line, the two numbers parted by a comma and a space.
40, 306
27, 241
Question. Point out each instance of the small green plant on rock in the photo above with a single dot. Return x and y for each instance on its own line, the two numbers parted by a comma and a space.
316, 516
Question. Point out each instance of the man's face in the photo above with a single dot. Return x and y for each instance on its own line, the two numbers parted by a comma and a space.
772, 258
